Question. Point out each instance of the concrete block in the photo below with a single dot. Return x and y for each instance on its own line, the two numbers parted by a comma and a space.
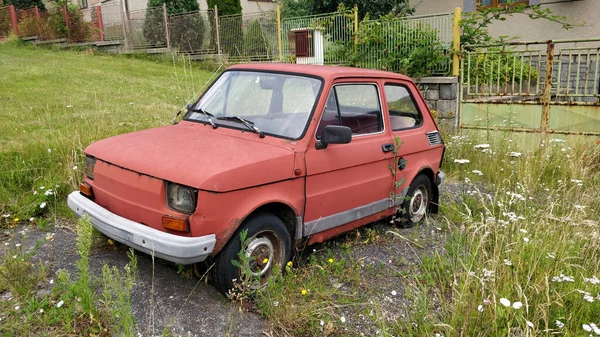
448, 92
446, 108
432, 105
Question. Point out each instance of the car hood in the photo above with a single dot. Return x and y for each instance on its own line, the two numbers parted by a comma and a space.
198, 157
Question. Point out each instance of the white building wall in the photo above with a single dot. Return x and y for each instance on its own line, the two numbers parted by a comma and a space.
583, 12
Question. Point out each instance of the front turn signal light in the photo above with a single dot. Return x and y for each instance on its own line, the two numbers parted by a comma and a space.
175, 224
86, 190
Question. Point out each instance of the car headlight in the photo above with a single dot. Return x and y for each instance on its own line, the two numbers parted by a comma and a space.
88, 167
181, 198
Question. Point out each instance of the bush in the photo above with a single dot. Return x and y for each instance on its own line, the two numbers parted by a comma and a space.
187, 32
256, 44
232, 35
483, 68
393, 45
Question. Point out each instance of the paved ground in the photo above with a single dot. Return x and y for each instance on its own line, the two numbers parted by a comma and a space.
192, 307
163, 298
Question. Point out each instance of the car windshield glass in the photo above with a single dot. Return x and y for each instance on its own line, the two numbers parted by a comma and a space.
276, 104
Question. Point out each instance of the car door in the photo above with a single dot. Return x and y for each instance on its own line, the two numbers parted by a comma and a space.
348, 182
407, 123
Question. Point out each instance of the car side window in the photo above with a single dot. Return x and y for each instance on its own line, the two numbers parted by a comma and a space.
404, 113
356, 106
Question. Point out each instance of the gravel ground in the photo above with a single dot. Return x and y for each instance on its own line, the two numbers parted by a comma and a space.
162, 296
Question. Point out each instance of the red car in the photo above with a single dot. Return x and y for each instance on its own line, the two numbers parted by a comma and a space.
290, 153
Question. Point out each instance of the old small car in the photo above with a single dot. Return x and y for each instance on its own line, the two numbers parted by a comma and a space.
289, 154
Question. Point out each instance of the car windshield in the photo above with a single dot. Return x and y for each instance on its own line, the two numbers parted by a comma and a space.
275, 104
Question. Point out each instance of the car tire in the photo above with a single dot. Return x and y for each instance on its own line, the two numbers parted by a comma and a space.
267, 237
417, 203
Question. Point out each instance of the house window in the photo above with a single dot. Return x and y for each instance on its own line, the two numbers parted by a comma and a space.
500, 3
84, 3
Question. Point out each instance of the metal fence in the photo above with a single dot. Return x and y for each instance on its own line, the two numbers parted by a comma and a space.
405, 44
337, 30
193, 33
545, 87
249, 37
389, 44
111, 20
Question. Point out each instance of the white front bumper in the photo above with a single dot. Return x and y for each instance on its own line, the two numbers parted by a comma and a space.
170, 247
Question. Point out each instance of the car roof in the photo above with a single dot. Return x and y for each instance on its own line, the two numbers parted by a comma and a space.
326, 72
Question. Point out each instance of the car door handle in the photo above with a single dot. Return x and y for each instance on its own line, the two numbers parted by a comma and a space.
387, 147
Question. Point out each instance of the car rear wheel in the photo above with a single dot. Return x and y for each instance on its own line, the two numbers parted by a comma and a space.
268, 244
417, 202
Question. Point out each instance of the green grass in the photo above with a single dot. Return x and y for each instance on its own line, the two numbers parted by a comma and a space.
37, 305
509, 232
513, 229
55, 103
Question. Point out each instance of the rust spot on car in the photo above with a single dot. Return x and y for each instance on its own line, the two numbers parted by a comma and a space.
224, 236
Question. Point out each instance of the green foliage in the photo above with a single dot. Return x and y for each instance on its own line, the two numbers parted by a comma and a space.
117, 289
366, 8
226, 7
5, 23
390, 44
23, 4
68, 307
496, 66
187, 31
232, 35
256, 44
294, 8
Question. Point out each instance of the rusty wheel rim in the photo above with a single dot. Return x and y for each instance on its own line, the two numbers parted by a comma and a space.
264, 250
418, 204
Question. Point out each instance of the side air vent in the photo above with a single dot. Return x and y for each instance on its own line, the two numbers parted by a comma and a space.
434, 138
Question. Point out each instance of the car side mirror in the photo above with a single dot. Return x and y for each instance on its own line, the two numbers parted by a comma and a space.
334, 134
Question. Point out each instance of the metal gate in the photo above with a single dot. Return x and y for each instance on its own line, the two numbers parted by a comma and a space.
536, 87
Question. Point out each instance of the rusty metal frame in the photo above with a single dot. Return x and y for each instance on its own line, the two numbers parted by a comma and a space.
536, 90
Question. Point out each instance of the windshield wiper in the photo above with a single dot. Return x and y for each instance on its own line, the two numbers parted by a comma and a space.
206, 113
247, 123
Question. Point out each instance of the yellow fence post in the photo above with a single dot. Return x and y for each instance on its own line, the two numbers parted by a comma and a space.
279, 43
456, 45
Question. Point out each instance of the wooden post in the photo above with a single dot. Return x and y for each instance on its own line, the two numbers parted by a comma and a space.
217, 30
13, 19
67, 21
166, 20
100, 22
279, 43
38, 20
456, 41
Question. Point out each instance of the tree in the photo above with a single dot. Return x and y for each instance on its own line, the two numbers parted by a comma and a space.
366, 8
230, 26
256, 43
186, 31
226, 7
23, 4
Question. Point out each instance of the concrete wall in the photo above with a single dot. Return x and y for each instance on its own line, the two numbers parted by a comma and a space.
441, 95
583, 12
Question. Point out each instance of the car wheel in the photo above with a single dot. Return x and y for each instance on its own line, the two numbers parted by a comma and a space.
268, 244
417, 202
